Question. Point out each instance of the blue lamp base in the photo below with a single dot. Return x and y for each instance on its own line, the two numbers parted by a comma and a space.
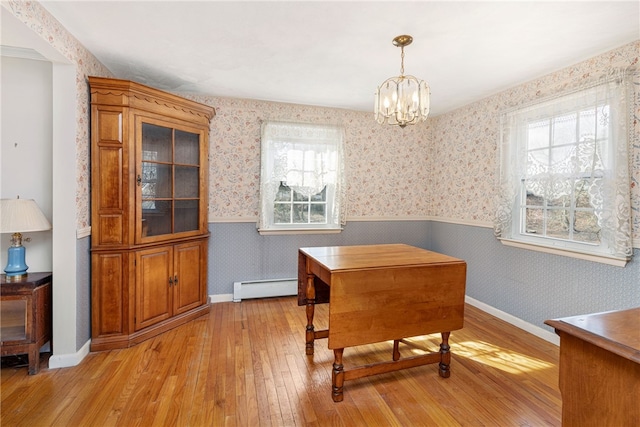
16, 265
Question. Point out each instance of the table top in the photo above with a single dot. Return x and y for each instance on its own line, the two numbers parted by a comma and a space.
387, 292
23, 284
615, 331
342, 258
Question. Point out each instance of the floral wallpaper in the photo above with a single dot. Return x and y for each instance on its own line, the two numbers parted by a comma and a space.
444, 168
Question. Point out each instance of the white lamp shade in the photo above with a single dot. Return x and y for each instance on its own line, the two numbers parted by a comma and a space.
21, 216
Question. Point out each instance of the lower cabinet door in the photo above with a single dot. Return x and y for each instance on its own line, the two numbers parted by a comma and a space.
189, 282
154, 286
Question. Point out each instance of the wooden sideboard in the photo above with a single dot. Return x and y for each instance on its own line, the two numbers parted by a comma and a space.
25, 316
600, 368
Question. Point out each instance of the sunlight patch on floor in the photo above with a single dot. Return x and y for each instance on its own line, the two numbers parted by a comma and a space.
500, 358
497, 357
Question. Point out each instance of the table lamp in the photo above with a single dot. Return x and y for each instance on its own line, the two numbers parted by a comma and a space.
19, 216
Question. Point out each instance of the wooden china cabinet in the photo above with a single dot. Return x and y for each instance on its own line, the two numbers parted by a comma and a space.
149, 167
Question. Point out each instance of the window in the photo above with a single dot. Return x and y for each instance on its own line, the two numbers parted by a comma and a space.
564, 173
302, 179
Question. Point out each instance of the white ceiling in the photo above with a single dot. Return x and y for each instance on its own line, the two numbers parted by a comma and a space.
335, 53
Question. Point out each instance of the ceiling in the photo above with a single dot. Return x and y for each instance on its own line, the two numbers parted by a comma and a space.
335, 53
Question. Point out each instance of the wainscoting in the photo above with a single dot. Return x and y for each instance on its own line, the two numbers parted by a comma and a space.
527, 285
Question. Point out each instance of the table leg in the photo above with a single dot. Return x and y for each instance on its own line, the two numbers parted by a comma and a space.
34, 359
396, 350
337, 376
445, 356
311, 302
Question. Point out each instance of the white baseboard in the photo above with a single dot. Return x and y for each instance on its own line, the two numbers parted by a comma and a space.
213, 299
68, 360
515, 321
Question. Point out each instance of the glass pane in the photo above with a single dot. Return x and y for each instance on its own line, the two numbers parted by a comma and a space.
537, 162
538, 136
534, 193
149, 172
321, 196
149, 178
187, 148
556, 191
282, 213
587, 157
585, 227
562, 200
602, 123
13, 321
587, 125
297, 197
534, 221
150, 155
563, 159
564, 129
187, 182
558, 223
283, 194
583, 198
300, 213
157, 140
318, 213
186, 215
158, 220
156, 180
148, 192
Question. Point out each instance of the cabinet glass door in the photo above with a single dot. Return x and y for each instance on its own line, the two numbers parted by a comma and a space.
169, 181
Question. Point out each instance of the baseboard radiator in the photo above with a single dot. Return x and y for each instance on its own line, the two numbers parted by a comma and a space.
264, 289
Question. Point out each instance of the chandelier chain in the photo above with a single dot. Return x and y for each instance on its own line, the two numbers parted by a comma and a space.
401, 61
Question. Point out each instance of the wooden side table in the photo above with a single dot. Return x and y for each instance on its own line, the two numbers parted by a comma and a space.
25, 316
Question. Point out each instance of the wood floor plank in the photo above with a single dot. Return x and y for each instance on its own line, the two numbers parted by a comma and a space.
244, 364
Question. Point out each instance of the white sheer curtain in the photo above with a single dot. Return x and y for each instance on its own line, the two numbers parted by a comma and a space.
581, 138
307, 158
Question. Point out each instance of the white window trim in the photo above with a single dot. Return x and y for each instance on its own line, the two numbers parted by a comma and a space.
603, 259
275, 231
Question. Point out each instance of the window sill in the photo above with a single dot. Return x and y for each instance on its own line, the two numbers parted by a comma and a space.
603, 259
264, 232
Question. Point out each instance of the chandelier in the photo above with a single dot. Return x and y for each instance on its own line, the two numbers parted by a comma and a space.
402, 100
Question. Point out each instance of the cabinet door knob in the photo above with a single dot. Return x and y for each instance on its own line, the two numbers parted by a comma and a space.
170, 281
175, 280
139, 180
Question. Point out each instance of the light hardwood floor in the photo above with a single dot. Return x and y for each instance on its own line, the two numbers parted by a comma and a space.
245, 365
